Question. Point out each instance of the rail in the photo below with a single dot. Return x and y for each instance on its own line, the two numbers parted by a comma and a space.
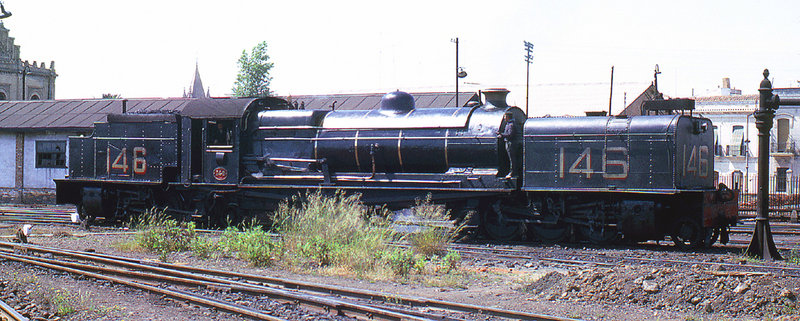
222, 279
8, 313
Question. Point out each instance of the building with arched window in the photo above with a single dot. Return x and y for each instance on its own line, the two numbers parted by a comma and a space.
23, 80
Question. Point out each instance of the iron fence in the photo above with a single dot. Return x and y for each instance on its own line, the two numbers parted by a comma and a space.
784, 193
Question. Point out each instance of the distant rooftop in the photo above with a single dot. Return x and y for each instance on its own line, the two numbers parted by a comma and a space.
81, 114
373, 101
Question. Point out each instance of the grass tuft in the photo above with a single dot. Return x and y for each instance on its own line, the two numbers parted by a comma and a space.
334, 230
162, 235
436, 230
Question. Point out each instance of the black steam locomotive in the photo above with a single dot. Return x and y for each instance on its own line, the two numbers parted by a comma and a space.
594, 178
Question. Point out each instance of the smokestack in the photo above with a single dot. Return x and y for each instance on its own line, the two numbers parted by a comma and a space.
495, 97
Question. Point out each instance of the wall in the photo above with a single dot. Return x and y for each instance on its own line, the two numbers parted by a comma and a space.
37, 183
42, 177
8, 143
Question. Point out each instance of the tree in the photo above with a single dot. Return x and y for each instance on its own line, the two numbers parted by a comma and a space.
112, 96
253, 78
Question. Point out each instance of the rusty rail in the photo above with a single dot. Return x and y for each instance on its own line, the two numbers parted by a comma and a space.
8, 313
188, 272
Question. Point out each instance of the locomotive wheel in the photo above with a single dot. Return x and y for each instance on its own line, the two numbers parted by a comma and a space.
497, 227
601, 235
551, 233
710, 237
687, 232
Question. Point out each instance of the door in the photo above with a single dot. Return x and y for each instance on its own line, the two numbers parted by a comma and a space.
220, 153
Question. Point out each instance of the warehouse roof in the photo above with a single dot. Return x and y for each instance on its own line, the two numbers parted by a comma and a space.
36, 115
373, 101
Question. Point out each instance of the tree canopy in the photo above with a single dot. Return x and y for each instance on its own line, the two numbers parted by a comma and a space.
253, 78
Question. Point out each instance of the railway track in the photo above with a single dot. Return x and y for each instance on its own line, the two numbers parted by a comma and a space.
334, 300
37, 215
605, 260
7, 313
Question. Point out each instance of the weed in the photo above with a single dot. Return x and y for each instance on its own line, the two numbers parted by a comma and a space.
335, 230
162, 235
204, 247
402, 262
63, 303
793, 257
450, 261
436, 230
252, 244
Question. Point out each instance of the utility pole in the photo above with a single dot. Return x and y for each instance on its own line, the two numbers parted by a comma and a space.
611, 91
528, 61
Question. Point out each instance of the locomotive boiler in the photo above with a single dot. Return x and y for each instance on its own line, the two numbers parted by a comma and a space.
600, 179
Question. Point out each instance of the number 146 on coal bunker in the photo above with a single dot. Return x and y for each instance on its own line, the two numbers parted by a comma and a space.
695, 161
615, 162
120, 164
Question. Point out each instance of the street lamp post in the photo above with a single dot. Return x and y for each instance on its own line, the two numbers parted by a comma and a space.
460, 73
455, 40
762, 245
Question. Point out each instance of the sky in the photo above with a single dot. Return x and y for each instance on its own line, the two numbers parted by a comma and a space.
150, 48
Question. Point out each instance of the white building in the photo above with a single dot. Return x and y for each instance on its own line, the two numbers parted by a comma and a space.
736, 139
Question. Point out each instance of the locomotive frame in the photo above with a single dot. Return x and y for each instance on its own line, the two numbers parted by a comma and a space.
594, 178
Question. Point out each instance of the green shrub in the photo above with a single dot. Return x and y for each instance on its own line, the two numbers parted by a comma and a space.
450, 261
436, 230
204, 248
794, 257
252, 244
159, 234
335, 230
401, 262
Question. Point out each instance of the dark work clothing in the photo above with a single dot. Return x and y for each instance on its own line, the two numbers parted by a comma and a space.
509, 136
509, 132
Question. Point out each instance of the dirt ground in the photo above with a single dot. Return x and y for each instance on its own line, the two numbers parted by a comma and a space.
600, 293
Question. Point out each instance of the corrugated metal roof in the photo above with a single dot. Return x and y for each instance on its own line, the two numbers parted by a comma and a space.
373, 101
82, 114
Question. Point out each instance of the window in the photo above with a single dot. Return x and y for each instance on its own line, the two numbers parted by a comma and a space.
51, 154
219, 133
783, 135
736, 179
780, 179
737, 140
3, 96
34, 97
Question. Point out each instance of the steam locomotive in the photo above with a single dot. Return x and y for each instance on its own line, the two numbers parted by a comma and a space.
600, 179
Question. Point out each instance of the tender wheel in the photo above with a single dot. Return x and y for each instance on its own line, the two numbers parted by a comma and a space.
551, 233
498, 227
711, 235
601, 235
687, 232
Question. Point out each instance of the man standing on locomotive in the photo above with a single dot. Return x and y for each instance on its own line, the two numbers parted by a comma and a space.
509, 136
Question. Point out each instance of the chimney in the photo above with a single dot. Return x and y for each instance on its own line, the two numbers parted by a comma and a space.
726, 82
495, 97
